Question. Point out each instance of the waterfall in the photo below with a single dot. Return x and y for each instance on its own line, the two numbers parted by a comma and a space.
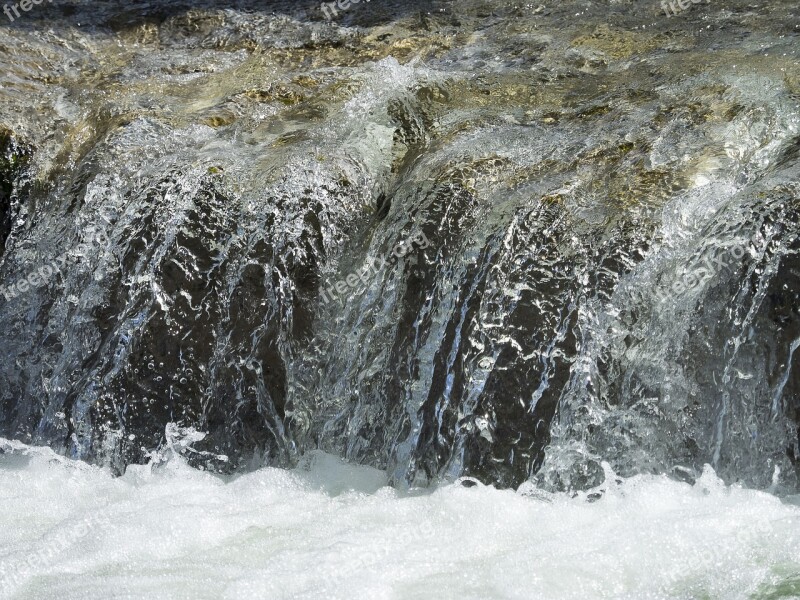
512, 255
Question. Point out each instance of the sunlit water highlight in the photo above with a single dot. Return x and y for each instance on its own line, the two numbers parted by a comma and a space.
331, 530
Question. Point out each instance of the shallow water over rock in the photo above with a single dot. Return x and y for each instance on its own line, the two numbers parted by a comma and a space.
501, 240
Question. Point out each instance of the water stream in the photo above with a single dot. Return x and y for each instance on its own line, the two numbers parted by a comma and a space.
548, 247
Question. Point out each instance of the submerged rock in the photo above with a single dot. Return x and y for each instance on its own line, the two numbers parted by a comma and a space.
446, 240
14, 158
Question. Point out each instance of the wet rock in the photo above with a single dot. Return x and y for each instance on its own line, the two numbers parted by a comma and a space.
14, 158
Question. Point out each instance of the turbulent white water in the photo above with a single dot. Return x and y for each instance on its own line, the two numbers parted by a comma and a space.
608, 290
330, 530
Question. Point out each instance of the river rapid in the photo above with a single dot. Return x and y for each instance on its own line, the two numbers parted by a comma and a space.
451, 298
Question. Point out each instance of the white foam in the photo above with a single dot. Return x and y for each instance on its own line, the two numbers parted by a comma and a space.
329, 530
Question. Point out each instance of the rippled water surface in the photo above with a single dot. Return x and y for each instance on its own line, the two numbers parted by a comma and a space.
548, 246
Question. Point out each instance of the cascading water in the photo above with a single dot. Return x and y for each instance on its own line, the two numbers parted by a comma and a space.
549, 247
